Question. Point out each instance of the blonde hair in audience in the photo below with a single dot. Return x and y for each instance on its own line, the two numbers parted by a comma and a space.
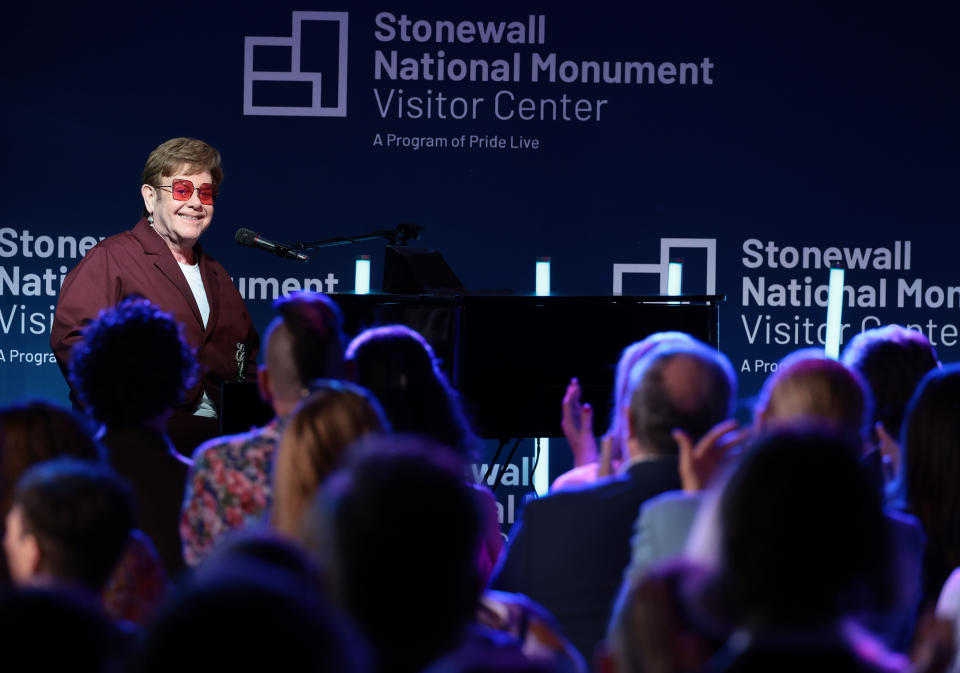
321, 428
810, 385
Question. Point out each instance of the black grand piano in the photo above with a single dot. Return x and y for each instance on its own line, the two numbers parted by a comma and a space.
510, 356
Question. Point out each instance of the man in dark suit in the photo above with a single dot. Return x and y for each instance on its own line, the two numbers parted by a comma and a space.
569, 550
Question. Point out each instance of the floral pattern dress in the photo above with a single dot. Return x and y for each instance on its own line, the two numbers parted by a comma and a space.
229, 487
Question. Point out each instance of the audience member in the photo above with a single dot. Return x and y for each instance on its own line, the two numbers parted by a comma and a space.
892, 360
314, 443
931, 473
36, 432
231, 483
31, 433
806, 385
413, 595
418, 597
810, 386
399, 367
577, 418
240, 614
568, 550
262, 544
131, 369
68, 526
797, 561
806, 388
665, 621
52, 629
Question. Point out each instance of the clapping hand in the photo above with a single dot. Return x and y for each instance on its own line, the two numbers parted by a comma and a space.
577, 426
699, 462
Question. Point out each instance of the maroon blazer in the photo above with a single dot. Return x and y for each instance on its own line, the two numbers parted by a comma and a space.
139, 262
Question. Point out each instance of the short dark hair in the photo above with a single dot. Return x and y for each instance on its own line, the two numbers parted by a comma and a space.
657, 406
132, 365
892, 359
81, 513
316, 330
412, 594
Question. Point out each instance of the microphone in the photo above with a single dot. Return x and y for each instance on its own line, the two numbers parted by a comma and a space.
252, 239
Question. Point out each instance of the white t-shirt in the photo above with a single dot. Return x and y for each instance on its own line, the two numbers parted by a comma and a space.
192, 274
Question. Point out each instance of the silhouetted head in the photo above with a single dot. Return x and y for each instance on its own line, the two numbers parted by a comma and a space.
133, 365
303, 343
399, 367
628, 358
892, 360
249, 615
931, 444
33, 432
51, 629
411, 592
70, 522
660, 622
685, 386
804, 538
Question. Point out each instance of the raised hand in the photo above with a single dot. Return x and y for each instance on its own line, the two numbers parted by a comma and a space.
699, 462
577, 425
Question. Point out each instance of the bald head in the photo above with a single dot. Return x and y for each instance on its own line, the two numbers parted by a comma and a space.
686, 387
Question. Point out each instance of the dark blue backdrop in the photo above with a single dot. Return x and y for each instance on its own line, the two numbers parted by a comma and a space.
823, 126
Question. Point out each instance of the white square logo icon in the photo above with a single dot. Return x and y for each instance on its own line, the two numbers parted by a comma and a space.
320, 91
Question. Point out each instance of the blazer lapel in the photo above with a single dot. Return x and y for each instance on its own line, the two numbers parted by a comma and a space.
158, 253
211, 284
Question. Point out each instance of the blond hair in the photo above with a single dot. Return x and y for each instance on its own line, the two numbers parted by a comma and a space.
321, 428
808, 385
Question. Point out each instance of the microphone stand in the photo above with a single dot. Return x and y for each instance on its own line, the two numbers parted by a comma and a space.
403, 232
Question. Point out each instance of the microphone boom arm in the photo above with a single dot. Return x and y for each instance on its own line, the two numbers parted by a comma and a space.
399, 235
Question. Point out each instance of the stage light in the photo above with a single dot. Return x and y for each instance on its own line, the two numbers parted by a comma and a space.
541, 471
543, 277
361, 282
834, 313
674, 279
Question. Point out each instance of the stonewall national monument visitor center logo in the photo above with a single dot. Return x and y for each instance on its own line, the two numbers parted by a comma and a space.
304, 75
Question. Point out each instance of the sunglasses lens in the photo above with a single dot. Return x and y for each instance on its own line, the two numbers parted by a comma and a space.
182, 190
207, 193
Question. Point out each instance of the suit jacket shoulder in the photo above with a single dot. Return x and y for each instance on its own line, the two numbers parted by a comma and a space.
569, 549
661, 530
